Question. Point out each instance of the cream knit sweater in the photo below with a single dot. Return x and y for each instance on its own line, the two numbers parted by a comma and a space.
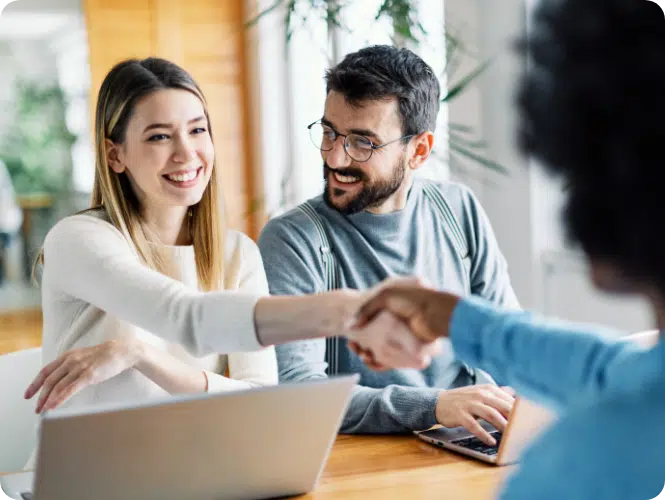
94, 288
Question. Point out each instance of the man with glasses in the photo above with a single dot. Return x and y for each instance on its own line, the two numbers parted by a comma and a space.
376, 220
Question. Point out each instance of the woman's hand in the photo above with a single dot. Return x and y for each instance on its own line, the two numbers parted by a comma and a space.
279, 320
80, 368
426, 311
412, 307
386, 342
383, 339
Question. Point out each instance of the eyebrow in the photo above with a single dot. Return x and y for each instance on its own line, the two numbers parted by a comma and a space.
170, 125
357, 131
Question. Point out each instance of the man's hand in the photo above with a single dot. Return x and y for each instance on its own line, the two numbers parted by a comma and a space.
463, 406
386, 342
427, 312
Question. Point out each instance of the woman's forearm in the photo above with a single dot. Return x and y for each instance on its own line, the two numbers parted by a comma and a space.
280, 320
168, 372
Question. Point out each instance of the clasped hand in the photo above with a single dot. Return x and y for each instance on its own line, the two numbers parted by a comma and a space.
399, 324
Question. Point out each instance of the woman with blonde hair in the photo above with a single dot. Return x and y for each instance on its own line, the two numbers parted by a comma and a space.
143, 291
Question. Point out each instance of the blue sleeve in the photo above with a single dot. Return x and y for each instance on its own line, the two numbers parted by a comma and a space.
548, 361
290, 250
610, 450
489, 270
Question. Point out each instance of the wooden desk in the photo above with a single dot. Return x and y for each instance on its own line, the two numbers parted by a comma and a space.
20, 330
359, 467
403, 467
400, 467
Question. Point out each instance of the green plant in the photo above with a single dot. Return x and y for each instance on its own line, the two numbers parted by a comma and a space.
37, 148
462, 140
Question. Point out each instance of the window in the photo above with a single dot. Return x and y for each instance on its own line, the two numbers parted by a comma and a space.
292, 91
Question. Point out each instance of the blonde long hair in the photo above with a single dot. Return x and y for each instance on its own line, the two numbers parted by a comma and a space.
124, 86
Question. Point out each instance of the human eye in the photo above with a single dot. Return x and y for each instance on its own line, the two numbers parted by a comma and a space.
158, 137
361, 142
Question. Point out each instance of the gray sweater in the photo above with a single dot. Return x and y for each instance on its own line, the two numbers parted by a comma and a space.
370, 248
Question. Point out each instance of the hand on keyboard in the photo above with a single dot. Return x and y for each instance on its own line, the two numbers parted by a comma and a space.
475, 444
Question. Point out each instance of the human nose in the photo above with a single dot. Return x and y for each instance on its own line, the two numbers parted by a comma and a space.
185, 150
337, 157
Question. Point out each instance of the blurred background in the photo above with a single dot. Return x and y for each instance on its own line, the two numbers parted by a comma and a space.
261, 65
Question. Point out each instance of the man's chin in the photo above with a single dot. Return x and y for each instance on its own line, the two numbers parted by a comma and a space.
335, 199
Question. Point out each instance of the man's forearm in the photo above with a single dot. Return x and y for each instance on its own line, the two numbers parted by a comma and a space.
393, 409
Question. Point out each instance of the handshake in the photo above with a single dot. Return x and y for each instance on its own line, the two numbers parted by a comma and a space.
400, 324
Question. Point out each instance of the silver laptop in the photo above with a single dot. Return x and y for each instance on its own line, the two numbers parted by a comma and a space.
526, 421
258, 443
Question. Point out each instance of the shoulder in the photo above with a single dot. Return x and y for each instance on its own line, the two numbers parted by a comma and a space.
459, 196
82, 228
243, 263
294, 226
600, 440
237, 244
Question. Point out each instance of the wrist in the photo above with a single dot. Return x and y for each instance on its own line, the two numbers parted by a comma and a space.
340, 311
439, 408
280, 320
138, 353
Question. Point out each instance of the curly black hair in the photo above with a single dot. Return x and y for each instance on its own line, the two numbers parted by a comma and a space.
592, 109
381, 72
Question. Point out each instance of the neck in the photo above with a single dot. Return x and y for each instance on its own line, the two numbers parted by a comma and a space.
169, 224
396, 201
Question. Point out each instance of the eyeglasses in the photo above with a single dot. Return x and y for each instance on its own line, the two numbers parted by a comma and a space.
358, 147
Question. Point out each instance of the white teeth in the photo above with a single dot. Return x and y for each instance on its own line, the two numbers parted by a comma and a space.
191, 175
345, 179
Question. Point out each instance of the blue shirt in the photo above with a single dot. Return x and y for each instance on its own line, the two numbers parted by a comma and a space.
609, 442
370, 248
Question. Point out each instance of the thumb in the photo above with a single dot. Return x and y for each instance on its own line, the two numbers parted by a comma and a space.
400, 302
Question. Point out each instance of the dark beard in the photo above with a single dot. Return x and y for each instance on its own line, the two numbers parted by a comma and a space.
372, 195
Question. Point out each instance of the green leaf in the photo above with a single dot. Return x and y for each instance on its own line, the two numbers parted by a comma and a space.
264, 13
464, 82
459, 127
486, 162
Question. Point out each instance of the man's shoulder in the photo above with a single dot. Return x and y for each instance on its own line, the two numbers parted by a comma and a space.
296, 224
455, 193
294, 228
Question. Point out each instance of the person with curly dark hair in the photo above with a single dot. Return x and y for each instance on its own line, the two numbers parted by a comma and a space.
592, 111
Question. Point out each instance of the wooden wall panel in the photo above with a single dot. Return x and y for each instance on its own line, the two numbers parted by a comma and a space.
206, 37
117, 29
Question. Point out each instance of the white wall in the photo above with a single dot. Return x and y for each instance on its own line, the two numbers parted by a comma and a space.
524, 207
44, 6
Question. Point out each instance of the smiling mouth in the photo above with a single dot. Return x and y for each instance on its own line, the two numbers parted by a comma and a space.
184, 179
345, 179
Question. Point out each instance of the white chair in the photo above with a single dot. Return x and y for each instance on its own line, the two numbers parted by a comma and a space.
18, 421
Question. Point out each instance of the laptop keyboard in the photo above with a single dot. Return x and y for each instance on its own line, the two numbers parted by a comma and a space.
475, 444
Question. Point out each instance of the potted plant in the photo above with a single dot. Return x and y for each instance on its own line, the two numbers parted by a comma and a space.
462, 140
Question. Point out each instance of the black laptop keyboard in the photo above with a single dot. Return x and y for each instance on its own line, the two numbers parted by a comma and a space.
475, 444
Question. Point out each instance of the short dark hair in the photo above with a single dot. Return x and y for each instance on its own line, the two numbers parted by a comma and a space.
382, 72
592, 110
